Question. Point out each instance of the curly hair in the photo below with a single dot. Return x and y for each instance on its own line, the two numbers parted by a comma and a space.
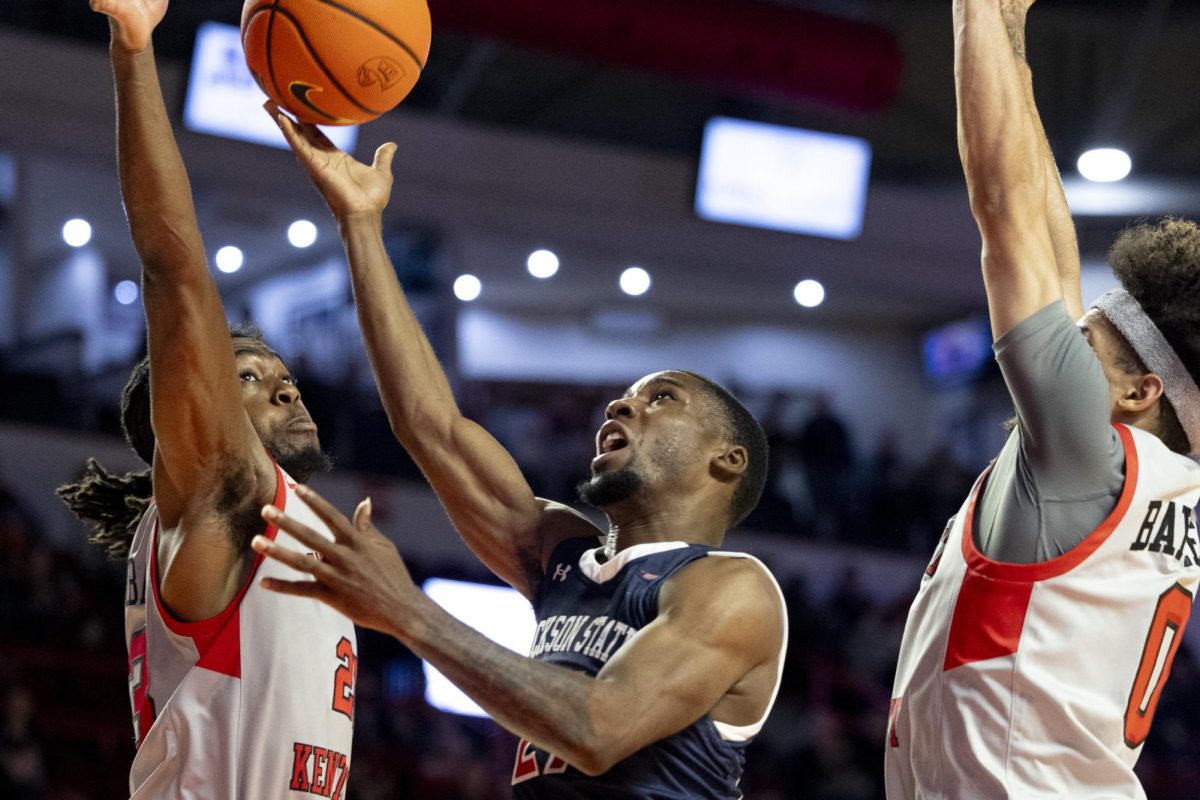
1159, 264
113, 502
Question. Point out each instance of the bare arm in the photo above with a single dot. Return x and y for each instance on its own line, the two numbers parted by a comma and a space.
482, 488
1058, 213
719, 628
203, 433
1004, 159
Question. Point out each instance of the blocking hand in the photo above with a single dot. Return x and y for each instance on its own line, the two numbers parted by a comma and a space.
360, 573
132, 20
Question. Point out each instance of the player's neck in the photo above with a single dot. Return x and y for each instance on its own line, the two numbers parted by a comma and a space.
647, 526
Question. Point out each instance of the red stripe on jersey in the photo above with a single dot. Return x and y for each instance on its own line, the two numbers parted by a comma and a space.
1004, 571
989, 616
206, 632
223, 653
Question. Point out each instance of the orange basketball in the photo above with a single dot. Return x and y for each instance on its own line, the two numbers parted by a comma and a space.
336, 63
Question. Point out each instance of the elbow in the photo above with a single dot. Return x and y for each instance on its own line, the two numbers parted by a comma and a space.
592, 759
997, 201
607, 742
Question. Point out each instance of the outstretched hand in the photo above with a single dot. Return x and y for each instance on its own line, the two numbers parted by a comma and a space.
348, 186
132, 20
360, 573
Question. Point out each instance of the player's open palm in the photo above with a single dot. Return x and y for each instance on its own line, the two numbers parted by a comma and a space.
360, 573
134, 20
348, 186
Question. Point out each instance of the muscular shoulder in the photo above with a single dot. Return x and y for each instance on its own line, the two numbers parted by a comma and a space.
558, 523
734, 600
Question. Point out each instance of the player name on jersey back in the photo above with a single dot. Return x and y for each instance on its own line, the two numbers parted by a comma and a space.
1023, 680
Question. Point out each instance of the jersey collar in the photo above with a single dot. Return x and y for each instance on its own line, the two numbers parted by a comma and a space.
603, 572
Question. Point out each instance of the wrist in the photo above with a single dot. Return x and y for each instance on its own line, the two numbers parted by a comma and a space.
409, 619
360, 220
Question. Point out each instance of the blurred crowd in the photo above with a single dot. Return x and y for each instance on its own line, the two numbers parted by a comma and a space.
65, 730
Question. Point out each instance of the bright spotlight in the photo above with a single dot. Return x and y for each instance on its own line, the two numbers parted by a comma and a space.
229, 259
126, 292
302, 233
1105, 164
635, 281
467, 287
809, 293
77, 232
542, 264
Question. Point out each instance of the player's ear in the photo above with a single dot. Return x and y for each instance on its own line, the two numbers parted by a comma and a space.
730, 462
1141, 393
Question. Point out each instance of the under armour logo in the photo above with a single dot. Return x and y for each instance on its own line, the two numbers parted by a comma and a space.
560, 572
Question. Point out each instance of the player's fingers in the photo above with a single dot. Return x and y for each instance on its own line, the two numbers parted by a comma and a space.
383, 157
336, 520
298, 531
362, 515
287, 127
296, 588
301, 562
316, 137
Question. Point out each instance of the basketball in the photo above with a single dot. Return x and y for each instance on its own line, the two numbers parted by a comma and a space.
336, 63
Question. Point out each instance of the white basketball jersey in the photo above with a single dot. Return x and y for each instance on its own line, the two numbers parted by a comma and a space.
1041, 680
255, 703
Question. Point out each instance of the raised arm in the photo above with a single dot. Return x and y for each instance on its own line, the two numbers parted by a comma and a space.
1058, 213
203, 434
1004, 159
714, 646
482, 488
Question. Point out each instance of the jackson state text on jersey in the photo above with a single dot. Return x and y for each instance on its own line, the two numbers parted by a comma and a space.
586, 612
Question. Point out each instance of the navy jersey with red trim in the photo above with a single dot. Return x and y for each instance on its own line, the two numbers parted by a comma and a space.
583, 620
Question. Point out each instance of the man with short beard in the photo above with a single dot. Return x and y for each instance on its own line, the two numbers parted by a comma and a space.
237, 693
657, 655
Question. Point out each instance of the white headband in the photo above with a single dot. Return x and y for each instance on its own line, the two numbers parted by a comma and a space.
1127, 315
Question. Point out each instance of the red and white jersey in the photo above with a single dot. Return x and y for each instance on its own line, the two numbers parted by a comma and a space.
255, 703
1041, 680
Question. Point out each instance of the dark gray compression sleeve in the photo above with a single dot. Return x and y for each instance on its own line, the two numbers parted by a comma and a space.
1060, 473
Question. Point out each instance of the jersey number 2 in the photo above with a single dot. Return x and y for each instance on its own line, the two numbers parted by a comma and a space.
344, 677
1162, 642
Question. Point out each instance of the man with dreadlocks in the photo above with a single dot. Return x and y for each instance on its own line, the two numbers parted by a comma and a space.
1046, 624
237, 692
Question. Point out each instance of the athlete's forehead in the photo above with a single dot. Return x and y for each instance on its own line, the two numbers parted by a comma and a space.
247, 347
669, 377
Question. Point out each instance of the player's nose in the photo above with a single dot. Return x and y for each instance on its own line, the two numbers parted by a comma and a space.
286, 393
619, 408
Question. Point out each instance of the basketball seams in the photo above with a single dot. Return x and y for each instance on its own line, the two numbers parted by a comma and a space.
285, 53
371, 23
320, 63
270, 61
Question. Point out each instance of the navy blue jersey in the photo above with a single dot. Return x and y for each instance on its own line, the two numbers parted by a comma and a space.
586, 611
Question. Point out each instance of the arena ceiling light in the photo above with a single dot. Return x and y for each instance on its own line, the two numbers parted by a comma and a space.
126, 292
467, 288
542, 264
77, 232
809, 293
229, 259
1105, 164
302, 233
635, 281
